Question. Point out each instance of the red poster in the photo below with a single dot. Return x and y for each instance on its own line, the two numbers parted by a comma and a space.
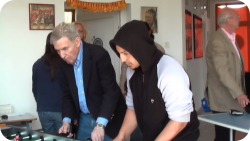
188, 21
198, 42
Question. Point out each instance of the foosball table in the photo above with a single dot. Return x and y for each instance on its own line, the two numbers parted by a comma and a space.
21, 134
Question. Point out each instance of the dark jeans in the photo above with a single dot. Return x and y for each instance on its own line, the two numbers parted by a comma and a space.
222, 133
136, 135
86, 125
51, 121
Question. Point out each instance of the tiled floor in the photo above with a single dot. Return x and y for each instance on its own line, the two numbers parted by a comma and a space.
206, 130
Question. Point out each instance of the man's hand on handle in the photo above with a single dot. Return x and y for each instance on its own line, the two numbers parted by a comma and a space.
243, 100
65, 128
97, 134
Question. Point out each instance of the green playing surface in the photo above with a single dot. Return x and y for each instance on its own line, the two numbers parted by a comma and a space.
33, 139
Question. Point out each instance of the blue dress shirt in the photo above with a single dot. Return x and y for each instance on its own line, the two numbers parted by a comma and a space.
78, 71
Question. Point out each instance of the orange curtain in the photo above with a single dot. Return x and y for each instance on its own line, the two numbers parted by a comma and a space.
96, 7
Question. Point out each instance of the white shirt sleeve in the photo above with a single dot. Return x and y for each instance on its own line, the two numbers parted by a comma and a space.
173, 83
129, 97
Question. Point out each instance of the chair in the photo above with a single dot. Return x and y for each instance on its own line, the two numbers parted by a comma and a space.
6, 109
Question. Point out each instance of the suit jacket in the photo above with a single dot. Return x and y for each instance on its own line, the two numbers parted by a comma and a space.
103, 96
225, 73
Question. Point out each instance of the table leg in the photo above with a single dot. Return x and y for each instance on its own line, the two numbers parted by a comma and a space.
27, 124
231, 134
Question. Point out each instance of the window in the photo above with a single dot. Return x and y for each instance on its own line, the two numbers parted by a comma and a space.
69, 15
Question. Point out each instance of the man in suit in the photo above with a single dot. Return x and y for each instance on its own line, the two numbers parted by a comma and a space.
91, 94
225, 70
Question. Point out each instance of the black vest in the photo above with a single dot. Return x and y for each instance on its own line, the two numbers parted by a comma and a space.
150, 108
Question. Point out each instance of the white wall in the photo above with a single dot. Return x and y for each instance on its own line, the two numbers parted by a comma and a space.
196, 68
170, 27
20, 48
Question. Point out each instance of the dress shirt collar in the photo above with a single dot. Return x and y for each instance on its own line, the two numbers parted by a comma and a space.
79, 57
230, 36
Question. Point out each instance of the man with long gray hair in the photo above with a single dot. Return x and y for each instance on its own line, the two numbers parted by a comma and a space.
91, 94
225, 70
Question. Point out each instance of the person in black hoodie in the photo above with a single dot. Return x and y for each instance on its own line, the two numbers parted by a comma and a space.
159, 100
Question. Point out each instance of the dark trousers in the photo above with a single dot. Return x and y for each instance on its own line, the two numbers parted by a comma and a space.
222, 133
136, 135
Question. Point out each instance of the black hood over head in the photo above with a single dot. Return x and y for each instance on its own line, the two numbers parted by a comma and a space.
134, 38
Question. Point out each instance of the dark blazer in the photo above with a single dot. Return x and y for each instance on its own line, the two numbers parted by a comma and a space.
103, 96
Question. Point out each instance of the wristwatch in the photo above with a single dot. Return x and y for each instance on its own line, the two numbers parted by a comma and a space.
99, 125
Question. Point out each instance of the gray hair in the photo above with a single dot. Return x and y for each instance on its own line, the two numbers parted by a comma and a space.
224, 15
64, 30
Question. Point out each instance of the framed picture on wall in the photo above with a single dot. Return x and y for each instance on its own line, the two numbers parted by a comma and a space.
188, 26
41, 16
149, 15
198, 36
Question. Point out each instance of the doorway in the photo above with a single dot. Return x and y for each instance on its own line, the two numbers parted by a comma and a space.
104, 27
243, 32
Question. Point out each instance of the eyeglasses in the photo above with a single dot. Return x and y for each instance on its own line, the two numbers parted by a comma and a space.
238, 17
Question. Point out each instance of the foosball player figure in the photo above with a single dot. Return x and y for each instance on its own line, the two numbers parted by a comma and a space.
17, 137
